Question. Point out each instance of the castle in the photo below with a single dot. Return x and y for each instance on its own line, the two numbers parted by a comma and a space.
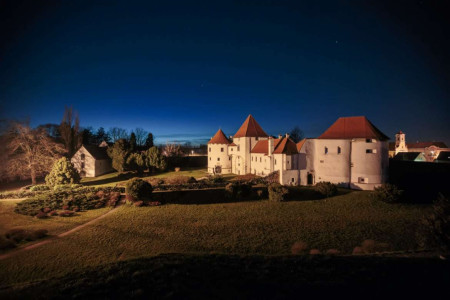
428, 150
352, 153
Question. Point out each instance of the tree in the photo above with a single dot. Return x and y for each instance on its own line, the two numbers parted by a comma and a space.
117, 133
149, 140
154, 159
296, 134
88, 136
136, 162
63, 172
119, 153
132, 142
52, 130
69, 130
141, 134
30, 153
173, 154
101, 136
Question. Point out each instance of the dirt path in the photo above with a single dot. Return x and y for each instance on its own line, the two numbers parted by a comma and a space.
53, 238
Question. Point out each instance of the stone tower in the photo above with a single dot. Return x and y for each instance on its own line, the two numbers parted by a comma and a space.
400, 143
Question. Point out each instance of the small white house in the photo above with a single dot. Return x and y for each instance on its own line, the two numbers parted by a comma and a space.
92, 161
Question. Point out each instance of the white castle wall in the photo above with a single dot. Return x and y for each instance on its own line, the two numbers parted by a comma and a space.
218, 156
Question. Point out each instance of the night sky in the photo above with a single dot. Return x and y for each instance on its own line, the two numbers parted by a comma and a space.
183, 69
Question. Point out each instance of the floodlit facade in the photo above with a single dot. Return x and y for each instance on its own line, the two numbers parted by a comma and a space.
92, 161
430, 150
351, 153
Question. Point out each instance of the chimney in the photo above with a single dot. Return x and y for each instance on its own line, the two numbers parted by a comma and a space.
280, 136
270, 146
287, 135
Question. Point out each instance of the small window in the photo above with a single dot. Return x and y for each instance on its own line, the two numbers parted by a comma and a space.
82, 165
239, 148
326, 150
256, 138
82, 156
229, 158
275, 161
292, 179
260, 159
209, 149
231, 149
221, 149
371, 151
368, 141
210, 158
339, 150
218, 159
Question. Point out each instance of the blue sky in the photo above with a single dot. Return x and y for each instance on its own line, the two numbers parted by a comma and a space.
179, 68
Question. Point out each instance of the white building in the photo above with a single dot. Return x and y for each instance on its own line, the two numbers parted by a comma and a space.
92, 161
352, 152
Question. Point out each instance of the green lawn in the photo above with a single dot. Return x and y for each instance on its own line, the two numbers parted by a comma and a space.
245, 228
112, 179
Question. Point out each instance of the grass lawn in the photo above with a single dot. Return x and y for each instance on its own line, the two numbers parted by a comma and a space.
243, 228
55, 225
112, 179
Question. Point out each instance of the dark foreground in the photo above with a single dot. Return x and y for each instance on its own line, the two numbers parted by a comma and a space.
225, 277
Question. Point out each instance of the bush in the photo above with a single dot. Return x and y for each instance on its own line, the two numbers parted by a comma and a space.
437, 224
63, 172
6, 243
17, 235
238, 190
388, 193
273, 177
215, 179
326, 189
52, 213
39, 187
277, 192
138, 189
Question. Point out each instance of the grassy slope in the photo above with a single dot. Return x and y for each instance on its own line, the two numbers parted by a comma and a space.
259, 227
55, 225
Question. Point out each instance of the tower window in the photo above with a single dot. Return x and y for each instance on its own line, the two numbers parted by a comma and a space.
371, 151
209, 149
339, 150
218, 159
221, 149
82, 156
326, 150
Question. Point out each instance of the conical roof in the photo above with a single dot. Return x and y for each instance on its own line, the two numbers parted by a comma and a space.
219, 138
353, 127
250, 128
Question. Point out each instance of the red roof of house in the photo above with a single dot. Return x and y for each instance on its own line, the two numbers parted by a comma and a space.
426, 145
219, 138
353, 127
263, 146
250, 128
300, 145
286, 146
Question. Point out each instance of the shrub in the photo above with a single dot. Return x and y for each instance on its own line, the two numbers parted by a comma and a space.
437, 224
52, 213
138, 203
41, 215
238, 190
17, 235
192, 180
261, 193
138, 189
177, 180
76, 209
63, 172
215, 179
388, 193
273, 177
47, 210
326, 189
6, 243
39, 187
277, 192
66, 213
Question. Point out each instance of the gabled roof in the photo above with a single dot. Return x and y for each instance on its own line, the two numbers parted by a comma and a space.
286, 146
219, 138
99, 153
263, 146
426, 145
250, 128
300, 145
353, 127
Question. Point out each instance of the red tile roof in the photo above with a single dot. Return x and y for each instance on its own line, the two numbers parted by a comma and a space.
263, 146
353, 127
250, 128
286, 146
219, 138
300, 145
426, 145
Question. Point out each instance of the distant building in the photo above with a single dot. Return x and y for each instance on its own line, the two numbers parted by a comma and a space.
430, 150
410, 156
92, 161
352, 152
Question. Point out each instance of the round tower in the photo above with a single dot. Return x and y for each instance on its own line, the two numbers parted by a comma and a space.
219, 162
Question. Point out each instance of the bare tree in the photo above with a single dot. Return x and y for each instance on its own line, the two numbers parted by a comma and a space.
172, 150
30, 153
141, 136
296, 134
117, 133
70, 131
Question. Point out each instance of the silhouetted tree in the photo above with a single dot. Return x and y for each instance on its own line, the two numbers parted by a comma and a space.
101, 136
88, 136
119, 153
149, 140
132, 142
70, 131
141, 134
154, 159
116, 133
296, 134
136, 162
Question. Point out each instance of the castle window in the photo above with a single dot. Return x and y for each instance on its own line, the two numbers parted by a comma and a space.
229, 158
218, 159
231, 149
82, 165
275, 161
210, 158
326, 150
368, 140
260, 159
256, 138
82, 156
209, 149
239, 148
371, 150
221, 149
339, 150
